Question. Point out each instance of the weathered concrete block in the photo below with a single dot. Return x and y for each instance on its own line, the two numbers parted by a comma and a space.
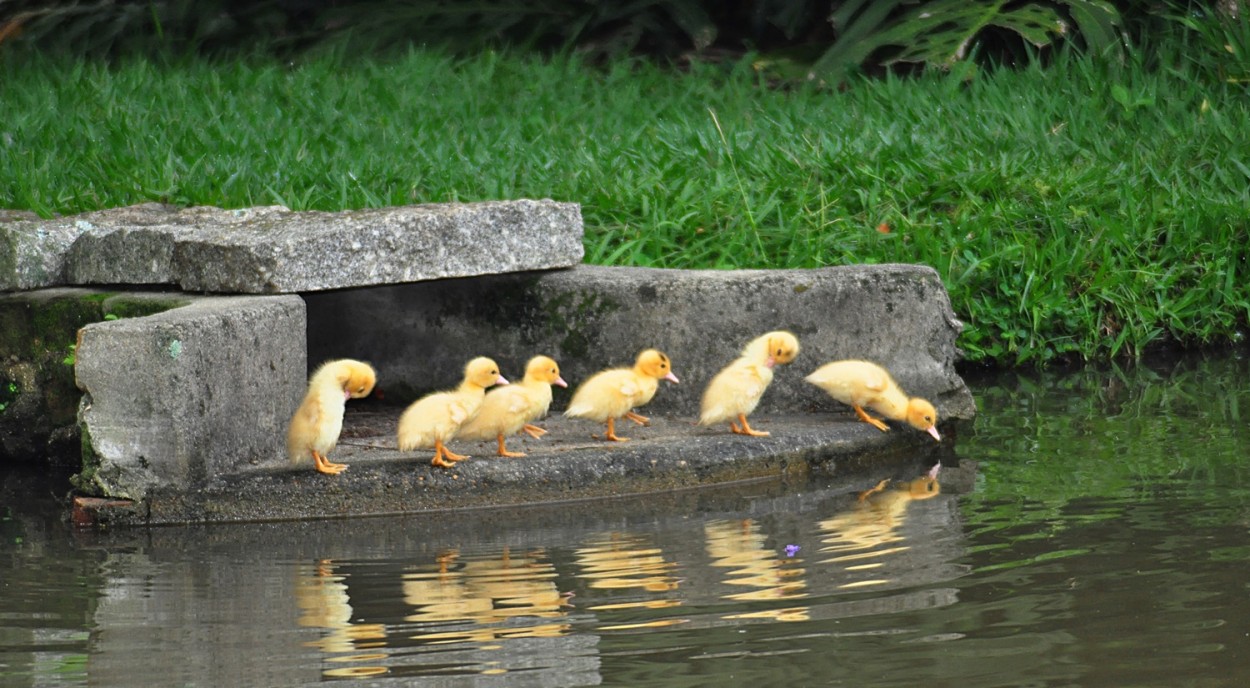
419, 336
32, 251
38, 397
177, 398
274, 250
319, 251
137, 244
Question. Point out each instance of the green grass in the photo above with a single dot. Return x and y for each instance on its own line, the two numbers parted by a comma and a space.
1085, 209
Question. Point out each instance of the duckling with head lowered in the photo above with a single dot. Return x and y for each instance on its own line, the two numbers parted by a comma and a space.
611, 394
508, 410
435, 419
315, 427
735, 391
863, 384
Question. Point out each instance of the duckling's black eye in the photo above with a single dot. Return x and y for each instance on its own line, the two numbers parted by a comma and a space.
929, 418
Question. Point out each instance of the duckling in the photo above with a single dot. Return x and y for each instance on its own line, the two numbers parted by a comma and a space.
735, 391
508, 410
612, 394
435, 419
860, 384
315, 427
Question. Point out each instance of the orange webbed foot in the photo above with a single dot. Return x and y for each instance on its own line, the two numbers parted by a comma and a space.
503, 451
863, 415
746, 429
611, 433
443, 457
451, 455
533, 430
326, 466
868, 493
639, 419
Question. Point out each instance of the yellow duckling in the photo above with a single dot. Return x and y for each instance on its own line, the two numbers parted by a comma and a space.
315, 427
735, 391
860, 384
508, 410
612, 394
433, 420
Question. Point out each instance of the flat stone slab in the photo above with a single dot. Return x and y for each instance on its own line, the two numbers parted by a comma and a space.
269, 250
566, 464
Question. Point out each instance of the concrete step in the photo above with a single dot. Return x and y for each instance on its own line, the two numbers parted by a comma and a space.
272, 250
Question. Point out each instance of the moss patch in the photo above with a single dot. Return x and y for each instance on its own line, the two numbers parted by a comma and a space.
38, 335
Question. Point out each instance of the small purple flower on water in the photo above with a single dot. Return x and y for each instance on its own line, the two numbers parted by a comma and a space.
792, 550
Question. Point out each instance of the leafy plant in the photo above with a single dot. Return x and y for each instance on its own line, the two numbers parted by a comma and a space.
942, 32
1220, 39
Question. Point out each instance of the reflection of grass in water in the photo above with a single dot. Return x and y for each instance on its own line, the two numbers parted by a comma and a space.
1045, 440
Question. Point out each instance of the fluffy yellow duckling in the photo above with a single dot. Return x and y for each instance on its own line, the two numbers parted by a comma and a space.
735, 391
612, 394
860, 384
433, 420
509, 410
315, 427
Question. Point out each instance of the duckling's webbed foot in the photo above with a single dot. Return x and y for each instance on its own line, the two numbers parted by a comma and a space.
611, 433
641, 420
868, 493
533, 430
863, 415
326, 466
444, 457
745, 429
503, 451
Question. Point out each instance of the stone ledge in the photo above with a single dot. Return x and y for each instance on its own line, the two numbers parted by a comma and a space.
566, 464
274, 250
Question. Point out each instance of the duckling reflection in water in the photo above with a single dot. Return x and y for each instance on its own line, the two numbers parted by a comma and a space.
322, 597
877, 515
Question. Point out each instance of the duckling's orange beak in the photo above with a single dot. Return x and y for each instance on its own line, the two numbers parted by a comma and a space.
559, 381
671, 377
933, 431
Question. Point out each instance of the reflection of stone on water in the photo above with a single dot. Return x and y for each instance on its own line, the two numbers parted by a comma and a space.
739, 545
630, 563
485, 598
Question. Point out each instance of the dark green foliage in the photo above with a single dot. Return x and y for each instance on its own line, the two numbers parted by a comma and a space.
822, 38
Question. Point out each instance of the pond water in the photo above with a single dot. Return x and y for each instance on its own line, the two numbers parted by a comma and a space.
1092, 529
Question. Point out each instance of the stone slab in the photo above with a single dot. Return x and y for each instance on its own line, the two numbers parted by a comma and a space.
38, 335
566, 464
175, 399
274, 250
418, 336
32, 251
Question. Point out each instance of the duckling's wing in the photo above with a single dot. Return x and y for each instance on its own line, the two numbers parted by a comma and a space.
876, 380
518, 401
629, 387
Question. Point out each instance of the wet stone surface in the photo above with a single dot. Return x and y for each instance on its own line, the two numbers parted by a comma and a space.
566, 464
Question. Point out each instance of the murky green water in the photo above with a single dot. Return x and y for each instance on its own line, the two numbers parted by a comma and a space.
1103, 539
